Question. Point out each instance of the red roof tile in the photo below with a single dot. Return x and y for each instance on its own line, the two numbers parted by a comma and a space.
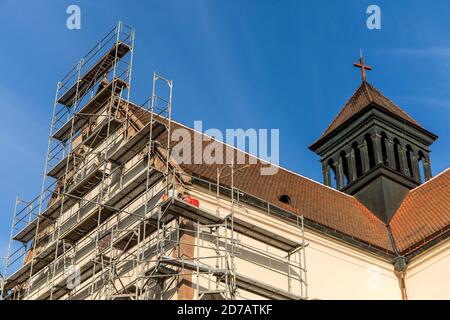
423, 215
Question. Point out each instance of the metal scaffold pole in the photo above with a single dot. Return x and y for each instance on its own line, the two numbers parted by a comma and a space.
78, 130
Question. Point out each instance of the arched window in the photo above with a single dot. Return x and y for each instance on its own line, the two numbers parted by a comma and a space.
421, 159
409, 154
370, 150
333, 174
397, 155
384, 148
345, 168
358, 161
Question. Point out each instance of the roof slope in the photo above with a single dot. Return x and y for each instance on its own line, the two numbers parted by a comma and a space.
424, 214
325, 206
364, 96
329, 207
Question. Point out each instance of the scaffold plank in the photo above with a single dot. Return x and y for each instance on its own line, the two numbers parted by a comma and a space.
101, 67
108, 125
38, 262
84, 185
27, 233
46, 218
137, 142
84, 222
205, 217
243, 282
91, 107
65, 164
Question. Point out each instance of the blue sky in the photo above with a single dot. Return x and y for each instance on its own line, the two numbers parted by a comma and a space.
235, 64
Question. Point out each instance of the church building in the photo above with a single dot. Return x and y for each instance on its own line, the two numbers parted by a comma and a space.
120, 218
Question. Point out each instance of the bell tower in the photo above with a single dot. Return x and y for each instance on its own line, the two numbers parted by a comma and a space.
374, 150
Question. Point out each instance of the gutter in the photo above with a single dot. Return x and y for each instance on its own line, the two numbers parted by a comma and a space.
400, 265
437, 238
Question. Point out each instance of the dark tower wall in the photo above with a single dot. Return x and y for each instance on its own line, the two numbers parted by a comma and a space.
377, 157
383, 194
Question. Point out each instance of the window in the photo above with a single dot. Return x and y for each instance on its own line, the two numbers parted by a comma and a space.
345, 168
397, 155
284, 198
333, 175
384, 148
370, 150
358, 162
421, 160
409, 154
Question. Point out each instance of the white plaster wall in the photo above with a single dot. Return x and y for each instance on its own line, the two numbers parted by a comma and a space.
337, 271
428, 275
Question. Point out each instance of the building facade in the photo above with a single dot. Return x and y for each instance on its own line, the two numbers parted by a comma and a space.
119, 218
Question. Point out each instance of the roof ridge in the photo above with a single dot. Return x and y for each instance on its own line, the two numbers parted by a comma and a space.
368, 86
393, 103
430, 180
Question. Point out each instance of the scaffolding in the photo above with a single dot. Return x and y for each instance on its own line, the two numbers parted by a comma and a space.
90, 107
148, 267
115, 219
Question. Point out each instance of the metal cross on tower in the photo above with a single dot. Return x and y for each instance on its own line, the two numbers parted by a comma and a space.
362, 66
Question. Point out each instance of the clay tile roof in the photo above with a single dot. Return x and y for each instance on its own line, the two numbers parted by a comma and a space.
316, 202
363, 97
424, 215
